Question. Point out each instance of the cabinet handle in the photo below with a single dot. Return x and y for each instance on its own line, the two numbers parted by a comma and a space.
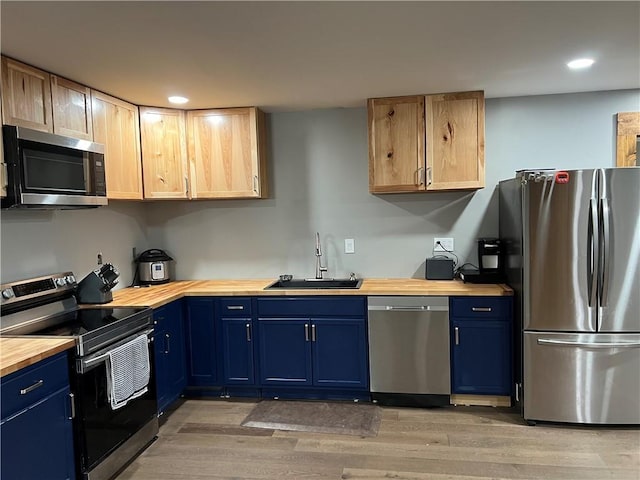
248, 326
72, 399
255, 184
306, 332
167, 345
480, 309
313, 332
429, 175
235, 307
420, 174
456, 335
186, 186
38, 384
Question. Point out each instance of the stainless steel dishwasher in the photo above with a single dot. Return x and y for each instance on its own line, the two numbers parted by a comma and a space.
409, 350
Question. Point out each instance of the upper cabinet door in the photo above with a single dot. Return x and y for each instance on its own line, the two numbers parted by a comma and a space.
164, 153
116, 125
71, 108
226, 153
455, 141
26, 96
396, 144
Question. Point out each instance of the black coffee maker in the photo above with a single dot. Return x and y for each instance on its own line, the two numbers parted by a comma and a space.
490, 255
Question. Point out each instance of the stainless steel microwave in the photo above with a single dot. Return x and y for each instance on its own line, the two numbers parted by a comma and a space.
51, 171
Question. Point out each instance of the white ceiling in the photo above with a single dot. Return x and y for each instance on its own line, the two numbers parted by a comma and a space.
303, 55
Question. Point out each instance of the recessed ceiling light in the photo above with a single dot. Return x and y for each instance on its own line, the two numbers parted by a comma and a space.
580, 63
177, 99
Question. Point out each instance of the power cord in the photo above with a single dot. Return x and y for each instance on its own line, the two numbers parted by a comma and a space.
455, 262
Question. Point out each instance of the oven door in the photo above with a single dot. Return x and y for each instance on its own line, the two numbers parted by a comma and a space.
100, 431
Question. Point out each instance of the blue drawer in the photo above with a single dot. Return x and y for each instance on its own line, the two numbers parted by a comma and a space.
235, 307
31, 384
479, 307
311, 307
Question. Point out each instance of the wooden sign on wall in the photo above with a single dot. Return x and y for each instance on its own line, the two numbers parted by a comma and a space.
627, 139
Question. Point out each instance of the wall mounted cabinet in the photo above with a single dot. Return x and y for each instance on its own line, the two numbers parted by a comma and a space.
26, 96
116, 125
227, 153
426, 143
164, 153
71, 108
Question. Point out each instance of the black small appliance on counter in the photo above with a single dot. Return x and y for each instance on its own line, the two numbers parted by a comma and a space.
96, 287
490, 261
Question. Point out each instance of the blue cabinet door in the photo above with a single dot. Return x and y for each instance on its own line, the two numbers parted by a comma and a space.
37, 443
237, 351
481, 356
36, 432
285, 352
201, 340
169, 349
339, 353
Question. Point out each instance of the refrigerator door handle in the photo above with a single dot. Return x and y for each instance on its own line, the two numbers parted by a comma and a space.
605, 250
545, 341
592, 254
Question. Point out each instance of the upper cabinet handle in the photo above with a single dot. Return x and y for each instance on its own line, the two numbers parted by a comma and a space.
235, 307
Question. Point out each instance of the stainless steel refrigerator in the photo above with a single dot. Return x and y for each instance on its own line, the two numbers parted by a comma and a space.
573, 258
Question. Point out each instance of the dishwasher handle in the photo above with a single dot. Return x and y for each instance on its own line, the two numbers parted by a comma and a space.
409, 308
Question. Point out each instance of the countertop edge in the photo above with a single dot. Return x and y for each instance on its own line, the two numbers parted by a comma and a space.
10, 365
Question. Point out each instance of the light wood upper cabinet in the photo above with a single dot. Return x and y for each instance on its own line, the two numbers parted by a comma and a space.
226, 153
455, 141
71, 108
116, 125
421, 144
396, 144
164, 153
26, 96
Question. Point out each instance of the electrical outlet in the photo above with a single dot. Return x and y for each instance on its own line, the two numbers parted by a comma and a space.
443, 244
349, 245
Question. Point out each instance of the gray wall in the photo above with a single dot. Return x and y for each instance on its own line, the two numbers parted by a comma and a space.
34, 243
319, 182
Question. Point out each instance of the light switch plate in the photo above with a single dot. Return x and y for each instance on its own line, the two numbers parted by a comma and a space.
349, 245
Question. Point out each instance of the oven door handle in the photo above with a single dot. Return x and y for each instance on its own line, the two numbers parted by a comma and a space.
85, 364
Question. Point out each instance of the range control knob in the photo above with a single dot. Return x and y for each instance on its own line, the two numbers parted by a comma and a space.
7, 293
70, 279
61, 282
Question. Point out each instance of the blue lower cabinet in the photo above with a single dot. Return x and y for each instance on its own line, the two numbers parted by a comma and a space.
481, 356
238, 338
285, 352
36, 441
339, 351
169, 349
202, 343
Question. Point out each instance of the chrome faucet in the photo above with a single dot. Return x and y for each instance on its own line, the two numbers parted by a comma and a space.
319, 268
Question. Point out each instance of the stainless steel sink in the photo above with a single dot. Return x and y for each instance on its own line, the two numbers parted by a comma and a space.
311, 283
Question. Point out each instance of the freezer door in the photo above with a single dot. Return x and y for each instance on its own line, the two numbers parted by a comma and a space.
582, 378
559, 258
619, 286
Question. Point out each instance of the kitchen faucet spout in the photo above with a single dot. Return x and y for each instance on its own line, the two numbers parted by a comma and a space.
319, 268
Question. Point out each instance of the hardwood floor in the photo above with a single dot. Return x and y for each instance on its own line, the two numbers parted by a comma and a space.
203, 439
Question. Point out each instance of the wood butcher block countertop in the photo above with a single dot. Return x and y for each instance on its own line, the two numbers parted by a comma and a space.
158, 295
17, 353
